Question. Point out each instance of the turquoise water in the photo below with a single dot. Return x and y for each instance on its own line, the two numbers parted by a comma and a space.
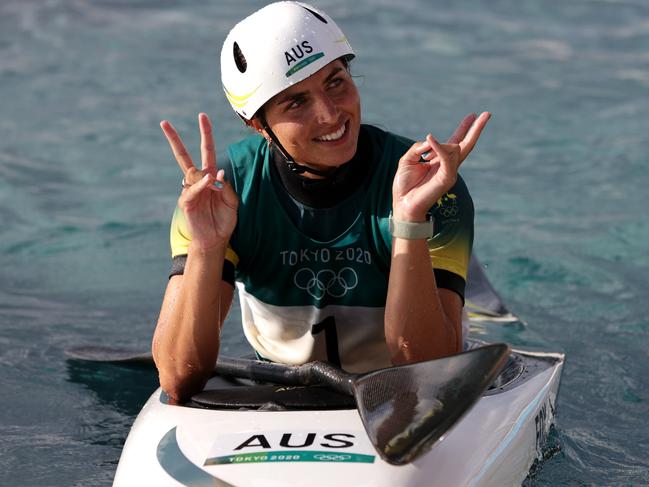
87, 186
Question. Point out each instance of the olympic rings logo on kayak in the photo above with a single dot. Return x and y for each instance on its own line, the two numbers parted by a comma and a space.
331, 457
326, 281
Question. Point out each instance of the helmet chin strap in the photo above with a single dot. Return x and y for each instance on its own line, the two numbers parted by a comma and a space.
290, 162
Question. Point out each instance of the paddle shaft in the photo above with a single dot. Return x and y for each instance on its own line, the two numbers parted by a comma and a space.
304, 375
307, 374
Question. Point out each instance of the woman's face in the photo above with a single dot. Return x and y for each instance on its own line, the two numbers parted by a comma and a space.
318, 119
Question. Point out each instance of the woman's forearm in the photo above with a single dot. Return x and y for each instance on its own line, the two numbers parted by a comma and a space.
416, 324
186, 340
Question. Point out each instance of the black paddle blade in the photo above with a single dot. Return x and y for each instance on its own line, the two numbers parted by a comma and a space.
110, 356
407, 409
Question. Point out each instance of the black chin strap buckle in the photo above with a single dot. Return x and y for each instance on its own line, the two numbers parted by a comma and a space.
295, 167
301, 169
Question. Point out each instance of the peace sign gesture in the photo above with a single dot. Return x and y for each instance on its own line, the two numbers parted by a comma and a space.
429, 169
207, 200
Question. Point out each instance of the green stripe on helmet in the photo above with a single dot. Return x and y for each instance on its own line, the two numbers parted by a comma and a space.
305, 62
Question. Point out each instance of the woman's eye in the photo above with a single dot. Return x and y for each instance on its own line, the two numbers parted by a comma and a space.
335, 82
296, 103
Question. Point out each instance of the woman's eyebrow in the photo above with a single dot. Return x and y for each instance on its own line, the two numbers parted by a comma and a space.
332, 74
290, 97
300, 94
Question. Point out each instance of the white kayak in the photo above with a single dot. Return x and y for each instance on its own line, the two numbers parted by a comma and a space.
494, 444
241, 434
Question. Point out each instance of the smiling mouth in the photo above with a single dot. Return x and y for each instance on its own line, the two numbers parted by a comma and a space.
332, 137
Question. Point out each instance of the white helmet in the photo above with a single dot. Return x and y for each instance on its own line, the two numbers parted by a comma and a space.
274, 48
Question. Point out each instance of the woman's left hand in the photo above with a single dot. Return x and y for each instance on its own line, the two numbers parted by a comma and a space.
429, 169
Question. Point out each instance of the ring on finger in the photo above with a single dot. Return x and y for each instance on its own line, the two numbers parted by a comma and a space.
184, 183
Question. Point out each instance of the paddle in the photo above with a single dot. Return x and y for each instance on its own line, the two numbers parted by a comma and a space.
405, 410
110, 356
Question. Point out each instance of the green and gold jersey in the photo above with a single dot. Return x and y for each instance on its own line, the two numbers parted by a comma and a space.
305, 299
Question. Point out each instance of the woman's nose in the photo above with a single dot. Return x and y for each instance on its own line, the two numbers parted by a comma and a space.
326, 110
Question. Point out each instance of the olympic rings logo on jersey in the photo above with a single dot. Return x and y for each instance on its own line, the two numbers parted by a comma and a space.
331, 457
449, 211
326, 281
447, 205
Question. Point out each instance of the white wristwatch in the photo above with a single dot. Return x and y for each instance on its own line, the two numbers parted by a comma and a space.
411, 230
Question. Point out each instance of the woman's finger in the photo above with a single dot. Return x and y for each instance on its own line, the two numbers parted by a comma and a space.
448, 154
229, 197
437, 147
471, 138
193, 191
416, 152
208, 153
220, 179
177, 147
462, 129
447, 151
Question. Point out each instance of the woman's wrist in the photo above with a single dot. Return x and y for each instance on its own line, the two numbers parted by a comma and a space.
409, 215
213, 251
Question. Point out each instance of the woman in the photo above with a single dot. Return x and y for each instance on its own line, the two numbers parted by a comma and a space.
323, 224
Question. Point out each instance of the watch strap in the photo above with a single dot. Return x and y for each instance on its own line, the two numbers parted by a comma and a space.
411, 230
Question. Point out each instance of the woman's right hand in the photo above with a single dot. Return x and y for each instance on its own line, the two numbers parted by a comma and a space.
207, 200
